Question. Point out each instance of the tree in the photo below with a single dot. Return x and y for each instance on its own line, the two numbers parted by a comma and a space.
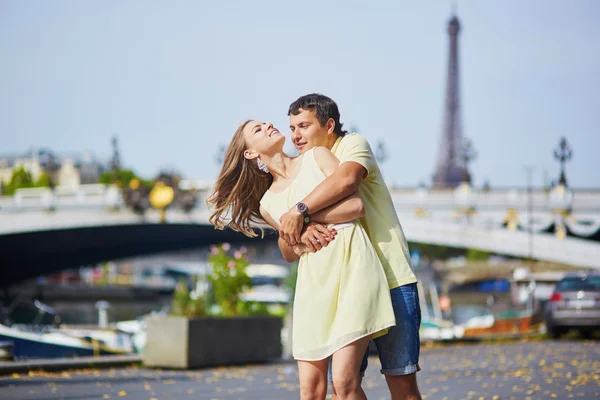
477, 255
122, 177
20, 179
43, 180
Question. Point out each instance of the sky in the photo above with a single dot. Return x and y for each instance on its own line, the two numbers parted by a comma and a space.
173, 80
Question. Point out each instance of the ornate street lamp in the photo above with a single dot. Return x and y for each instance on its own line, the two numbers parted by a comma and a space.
563, 154
161, 196
560, 196
115, 162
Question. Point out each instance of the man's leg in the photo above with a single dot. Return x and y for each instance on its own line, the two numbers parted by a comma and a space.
403, 387
399, 349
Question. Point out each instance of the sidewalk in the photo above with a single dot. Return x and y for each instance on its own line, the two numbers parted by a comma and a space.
511, 371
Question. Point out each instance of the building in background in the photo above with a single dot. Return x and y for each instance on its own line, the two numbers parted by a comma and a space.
63, 171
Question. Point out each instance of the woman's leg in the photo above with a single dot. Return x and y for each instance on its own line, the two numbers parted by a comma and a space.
313, 379
346, 370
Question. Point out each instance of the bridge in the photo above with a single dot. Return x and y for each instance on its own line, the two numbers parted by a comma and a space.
42, 231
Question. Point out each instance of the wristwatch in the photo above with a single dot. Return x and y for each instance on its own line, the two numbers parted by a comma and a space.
303, 209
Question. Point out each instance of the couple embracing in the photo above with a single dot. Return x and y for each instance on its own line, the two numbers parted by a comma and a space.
335, 215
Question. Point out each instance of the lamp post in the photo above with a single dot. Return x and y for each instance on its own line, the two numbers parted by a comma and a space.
161, 196
529, 170
560, 196
563, 154
115, 162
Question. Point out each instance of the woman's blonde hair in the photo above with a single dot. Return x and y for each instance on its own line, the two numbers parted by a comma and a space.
238, 190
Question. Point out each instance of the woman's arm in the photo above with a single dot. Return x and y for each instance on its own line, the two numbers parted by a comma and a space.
289, 253
293, 253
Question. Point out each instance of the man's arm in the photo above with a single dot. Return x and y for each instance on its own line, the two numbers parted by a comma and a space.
349, 209
317, 234
343, 182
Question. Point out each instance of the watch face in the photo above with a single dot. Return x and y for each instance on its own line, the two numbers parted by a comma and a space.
301, 208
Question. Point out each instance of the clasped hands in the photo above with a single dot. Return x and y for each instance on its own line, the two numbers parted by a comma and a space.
311, 237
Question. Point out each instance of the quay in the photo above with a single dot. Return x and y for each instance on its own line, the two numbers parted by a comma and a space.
536, 369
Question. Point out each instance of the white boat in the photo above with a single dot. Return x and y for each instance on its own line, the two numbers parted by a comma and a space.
52, 344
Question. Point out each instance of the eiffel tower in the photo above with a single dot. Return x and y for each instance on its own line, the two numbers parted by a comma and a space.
451, 168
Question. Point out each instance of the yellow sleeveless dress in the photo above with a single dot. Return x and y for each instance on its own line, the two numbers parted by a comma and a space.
342, 293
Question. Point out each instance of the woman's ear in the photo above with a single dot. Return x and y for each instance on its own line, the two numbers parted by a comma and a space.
250, 155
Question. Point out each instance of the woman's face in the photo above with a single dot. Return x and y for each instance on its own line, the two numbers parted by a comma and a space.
263, 138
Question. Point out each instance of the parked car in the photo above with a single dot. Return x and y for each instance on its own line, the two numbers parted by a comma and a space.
575, 304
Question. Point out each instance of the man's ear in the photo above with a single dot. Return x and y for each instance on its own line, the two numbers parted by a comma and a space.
330, 124
250, 155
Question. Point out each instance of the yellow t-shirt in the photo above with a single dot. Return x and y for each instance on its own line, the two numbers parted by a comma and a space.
380, 220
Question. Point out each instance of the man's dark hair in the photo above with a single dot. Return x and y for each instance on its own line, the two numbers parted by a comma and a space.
323, 107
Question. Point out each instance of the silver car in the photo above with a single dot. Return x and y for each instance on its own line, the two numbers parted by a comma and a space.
575, 304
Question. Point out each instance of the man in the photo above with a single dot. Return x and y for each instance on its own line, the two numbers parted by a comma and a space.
315, 121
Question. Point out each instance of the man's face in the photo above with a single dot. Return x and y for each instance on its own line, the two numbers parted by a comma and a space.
307, 132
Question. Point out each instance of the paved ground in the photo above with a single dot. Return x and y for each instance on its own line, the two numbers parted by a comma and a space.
528, 370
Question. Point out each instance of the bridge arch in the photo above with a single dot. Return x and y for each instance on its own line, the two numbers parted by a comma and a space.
27, 255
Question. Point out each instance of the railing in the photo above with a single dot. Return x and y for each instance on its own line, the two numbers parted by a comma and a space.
83, 196
98, 195
584, 201
446, 217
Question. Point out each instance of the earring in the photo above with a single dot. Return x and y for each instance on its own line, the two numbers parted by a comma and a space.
262, 166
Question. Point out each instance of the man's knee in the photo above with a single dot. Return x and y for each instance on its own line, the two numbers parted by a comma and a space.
403, 387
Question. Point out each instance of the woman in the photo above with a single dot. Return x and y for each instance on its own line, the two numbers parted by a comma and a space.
342, 297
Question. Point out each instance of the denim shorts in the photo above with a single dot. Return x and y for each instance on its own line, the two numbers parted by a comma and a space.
399, 349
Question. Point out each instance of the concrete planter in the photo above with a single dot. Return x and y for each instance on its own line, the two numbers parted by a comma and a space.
179, 342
